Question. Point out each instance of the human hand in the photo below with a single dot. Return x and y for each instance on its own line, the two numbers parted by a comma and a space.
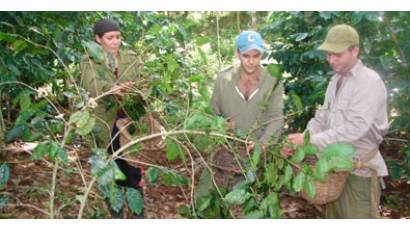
122, 88
296, 139
250, 145
292, 140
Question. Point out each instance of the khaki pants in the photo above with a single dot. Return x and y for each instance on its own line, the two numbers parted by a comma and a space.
354, 203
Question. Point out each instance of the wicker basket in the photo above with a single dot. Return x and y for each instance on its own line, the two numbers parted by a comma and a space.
328, 191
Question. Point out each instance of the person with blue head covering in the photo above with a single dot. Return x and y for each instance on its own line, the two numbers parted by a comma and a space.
241, 90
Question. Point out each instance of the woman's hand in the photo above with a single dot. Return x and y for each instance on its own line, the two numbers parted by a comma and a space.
122, 88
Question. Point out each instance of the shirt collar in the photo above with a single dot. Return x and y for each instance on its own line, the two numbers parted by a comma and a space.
354, 71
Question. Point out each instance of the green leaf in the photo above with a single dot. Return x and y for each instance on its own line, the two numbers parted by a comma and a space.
243, 184
152, 174
25, 101
94, 50
321, 170
237, 197
357, 17
14, 133
288, 174
62, 155
342, 164
83, 122
310, 149
173, 150
256, 156
200, 41
116, 199
135, 200
219, 124
184, 211
196, 78
310, 187
204, 203
204, 57
19, 45
4, 175
299, 181
40, 150
337, 151
275, 70
270, 174
79, 118
306, 137
87, 128
297, 101
257, 214
118, 174
52, 150
198, 121
299, 155
172, 64
168, 178
301, 36
105, 171
270, 204
7, 37
181, 180
280, 183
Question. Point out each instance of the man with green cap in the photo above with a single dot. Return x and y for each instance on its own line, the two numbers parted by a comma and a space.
355, 112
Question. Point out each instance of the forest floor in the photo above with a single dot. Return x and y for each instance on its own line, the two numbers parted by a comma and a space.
29, 183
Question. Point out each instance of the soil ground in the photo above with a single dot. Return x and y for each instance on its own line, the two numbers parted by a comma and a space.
29, 197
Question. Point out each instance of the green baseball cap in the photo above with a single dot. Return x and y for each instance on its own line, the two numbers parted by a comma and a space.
339, 38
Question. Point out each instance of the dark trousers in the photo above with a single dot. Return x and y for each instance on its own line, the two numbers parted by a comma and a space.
133, 174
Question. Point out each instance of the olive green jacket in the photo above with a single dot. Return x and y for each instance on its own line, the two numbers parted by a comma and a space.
262, 113
97, 78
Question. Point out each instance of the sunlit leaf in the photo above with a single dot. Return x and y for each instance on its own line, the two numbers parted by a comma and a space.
298, 181
298, 156
310, 149
288, 173
310, 187
237, 197
173, 150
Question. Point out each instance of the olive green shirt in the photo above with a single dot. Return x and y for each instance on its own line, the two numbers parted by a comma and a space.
356, 114
97, 78
262, 113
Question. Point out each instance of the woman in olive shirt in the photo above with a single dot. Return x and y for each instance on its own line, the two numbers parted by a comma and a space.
116, 73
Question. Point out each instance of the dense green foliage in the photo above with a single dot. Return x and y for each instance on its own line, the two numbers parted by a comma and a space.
181, 52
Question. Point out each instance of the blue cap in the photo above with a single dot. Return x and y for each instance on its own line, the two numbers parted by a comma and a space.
249, 40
